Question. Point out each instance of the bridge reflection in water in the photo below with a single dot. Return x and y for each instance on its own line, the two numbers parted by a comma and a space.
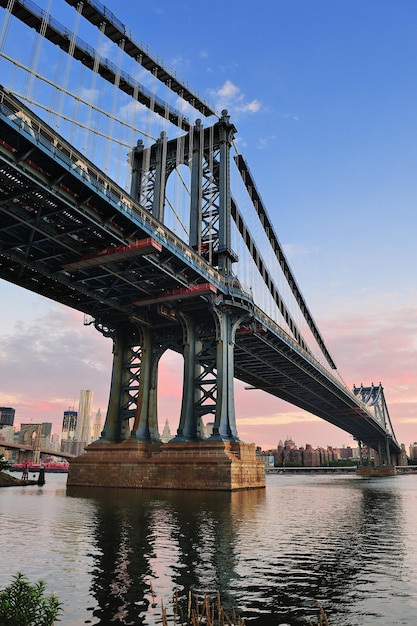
272, 553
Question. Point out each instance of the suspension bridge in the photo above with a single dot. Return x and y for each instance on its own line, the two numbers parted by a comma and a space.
171, 248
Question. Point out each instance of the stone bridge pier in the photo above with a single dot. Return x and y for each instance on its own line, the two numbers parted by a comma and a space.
130, 453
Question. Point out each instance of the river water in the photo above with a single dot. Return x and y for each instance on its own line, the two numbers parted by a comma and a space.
112, 555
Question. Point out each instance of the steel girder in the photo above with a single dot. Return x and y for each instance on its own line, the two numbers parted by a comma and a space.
54, 212
207, 346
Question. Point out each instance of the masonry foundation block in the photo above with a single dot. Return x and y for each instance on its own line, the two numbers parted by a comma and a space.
376, 470
205, 465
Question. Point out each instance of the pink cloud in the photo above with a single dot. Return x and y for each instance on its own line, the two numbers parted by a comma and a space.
380, 347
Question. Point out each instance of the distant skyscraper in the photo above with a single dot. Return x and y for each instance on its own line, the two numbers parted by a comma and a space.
83, 430
55, 444
6, 416
97, 426
69, 425
208, 429
166, 433
46, 430
413, 451
7, 433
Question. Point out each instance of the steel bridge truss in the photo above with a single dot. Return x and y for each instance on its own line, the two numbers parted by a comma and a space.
207, 153
207, 349
373, 399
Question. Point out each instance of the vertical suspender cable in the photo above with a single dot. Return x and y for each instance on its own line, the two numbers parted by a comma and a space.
92, 115
6, 23
75, 130
164, 137
63, 78
178, 193
4, 32
132, 139
179, 160
55, 98
190, 139
36, 50
108, 153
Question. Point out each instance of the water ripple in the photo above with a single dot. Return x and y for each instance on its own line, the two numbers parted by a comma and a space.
112, 555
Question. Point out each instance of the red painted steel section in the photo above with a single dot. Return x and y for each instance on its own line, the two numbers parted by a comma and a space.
179, 294
119, 253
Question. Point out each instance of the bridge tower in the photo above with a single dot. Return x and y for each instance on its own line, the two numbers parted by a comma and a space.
30, 435
129, 451
384, 463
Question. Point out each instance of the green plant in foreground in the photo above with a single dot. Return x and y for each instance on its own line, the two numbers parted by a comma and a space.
24, 604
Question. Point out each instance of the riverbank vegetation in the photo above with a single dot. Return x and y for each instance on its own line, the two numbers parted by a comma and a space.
5, 479
198, 612
24, 604
4, 465
206, 612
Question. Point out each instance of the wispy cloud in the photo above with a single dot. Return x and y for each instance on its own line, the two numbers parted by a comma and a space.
289, 116
230, 97
47, 361
264, 142
296, 249
90, 95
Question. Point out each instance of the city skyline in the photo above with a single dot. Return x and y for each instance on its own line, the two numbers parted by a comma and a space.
326, 120
72, 435
77, 433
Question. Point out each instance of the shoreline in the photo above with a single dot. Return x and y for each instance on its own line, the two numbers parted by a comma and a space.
10, 481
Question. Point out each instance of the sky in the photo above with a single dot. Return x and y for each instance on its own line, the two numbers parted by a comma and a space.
324, 98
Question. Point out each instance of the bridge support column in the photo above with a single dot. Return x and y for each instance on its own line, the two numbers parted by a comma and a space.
384, 455
133, 389
112, 427
188, 461
145, 427
190, 426
381, 464
225, 419
208, 377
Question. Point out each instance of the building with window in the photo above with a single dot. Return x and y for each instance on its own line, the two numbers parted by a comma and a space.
7, 414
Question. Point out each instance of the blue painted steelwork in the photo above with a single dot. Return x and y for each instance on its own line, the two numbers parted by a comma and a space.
99, 15
30, 13
56, 207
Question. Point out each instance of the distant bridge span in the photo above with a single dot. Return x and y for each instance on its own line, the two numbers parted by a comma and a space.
19, 446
